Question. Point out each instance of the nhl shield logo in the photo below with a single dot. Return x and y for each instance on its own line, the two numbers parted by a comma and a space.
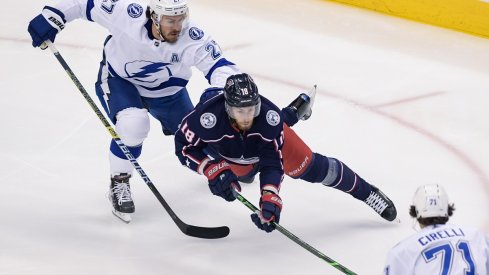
208, 120
273, 118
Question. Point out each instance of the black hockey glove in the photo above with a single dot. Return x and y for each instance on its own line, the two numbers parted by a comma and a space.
301, 106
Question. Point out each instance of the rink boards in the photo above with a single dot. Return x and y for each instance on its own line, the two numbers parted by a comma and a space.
470, 16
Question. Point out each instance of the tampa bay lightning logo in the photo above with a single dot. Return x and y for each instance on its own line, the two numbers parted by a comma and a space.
273, 118
134, 10
147, 71
196, 33
208, 120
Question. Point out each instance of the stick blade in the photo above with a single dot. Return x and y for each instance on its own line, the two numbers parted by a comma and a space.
205, 232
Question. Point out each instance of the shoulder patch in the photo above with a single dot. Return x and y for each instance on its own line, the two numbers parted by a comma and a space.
273, 118
195, 33
134, 10
208, 120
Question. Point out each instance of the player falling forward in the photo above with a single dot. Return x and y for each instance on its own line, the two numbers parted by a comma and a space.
244, 133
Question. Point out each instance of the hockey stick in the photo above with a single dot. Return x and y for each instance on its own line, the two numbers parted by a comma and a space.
190, 230
296, 239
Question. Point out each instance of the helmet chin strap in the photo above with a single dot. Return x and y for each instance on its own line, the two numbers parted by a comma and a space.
156, 21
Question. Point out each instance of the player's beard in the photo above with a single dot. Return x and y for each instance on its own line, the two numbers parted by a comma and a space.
172, 36
244, 125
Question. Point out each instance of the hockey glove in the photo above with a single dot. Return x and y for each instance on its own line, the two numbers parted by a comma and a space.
210, 93
46, 26
301, 106
222, 180
270, 207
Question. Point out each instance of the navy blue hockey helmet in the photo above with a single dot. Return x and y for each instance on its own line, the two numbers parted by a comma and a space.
241, 91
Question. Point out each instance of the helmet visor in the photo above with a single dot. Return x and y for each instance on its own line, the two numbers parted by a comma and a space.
174, 21
243, 113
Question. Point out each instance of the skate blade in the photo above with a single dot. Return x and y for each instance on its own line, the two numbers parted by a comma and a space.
125, 217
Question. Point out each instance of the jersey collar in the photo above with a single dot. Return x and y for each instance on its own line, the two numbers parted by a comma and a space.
148, 25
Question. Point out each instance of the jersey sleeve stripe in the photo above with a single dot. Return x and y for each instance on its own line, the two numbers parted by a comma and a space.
220, 63
90, 6
190, 157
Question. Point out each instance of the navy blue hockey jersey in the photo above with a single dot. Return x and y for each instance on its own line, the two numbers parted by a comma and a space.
208, 129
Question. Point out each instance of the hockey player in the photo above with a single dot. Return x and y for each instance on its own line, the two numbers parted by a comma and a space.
234, 135
438, 248
146, 65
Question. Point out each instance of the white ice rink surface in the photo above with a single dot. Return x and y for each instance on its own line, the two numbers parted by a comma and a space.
401, 103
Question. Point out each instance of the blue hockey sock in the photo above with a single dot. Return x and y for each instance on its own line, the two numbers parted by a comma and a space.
135, 150
333, 173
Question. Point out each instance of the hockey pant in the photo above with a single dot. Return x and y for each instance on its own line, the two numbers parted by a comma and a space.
301, 163
129, 111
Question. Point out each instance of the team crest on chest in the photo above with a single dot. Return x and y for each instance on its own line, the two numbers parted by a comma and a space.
273, 118
208, 120
134, 10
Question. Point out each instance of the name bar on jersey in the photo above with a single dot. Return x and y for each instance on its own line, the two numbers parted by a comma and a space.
439, 235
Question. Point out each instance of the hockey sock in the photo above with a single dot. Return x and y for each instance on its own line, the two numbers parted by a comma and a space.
334, 173
135, 150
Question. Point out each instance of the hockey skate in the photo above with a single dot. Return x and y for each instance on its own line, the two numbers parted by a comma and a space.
379, 202
120, 196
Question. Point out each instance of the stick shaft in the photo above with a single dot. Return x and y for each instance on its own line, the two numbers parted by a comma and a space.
194, 231
297, 240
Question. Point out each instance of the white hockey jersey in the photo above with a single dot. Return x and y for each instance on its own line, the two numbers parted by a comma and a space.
440, 249
156, 68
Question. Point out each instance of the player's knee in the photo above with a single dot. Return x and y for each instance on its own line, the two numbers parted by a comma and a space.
316, 168
132, 126
332, 172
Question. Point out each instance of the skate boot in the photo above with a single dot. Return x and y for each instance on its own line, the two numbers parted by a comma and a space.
120, 196
381, 204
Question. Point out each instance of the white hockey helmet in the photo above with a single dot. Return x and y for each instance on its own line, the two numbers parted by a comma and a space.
430, 201
168, 7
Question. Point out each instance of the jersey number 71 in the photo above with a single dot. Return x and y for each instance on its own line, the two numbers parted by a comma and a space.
446, 253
